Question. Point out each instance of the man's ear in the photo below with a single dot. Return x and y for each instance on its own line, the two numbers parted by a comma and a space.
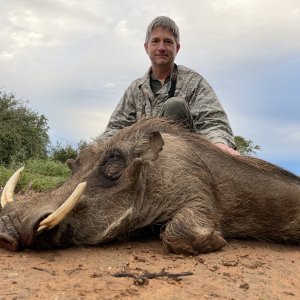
177, 47
146, 47
149, 146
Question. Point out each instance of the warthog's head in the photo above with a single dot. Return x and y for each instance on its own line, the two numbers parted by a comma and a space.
21, 227
93, 206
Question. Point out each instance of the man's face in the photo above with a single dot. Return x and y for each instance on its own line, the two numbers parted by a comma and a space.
161, 47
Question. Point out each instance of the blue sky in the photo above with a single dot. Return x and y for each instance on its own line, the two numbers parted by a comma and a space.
73, 60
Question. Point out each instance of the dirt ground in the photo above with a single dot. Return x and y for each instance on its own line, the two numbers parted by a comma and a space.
242, 270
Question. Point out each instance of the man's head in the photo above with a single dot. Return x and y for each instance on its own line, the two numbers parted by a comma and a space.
165, 23
162, 42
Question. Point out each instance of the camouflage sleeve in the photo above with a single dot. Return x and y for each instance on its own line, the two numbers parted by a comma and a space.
209, 116
123, 115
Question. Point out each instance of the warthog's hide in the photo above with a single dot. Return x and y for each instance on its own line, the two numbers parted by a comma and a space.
156, 173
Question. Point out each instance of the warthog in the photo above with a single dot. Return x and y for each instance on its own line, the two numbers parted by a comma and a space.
157, 173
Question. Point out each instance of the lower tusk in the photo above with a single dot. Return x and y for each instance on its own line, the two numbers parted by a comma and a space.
8, 191
56, 217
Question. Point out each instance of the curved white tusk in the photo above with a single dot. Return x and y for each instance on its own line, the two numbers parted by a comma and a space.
56, 217
8, 191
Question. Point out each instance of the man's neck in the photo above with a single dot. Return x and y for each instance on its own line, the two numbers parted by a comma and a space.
162, 73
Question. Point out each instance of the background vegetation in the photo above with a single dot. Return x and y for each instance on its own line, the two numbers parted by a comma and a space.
23, 132
39, 175
246, 147
24, 140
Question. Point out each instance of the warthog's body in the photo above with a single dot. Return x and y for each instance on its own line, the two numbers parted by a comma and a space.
156, 173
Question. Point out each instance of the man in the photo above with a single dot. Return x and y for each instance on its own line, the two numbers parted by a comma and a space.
172, 91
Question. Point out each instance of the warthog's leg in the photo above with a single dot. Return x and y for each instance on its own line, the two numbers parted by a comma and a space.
190, 231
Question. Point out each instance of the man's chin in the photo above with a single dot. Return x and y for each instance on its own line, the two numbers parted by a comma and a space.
162, 62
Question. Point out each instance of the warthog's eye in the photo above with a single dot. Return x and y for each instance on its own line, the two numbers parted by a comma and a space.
113, 165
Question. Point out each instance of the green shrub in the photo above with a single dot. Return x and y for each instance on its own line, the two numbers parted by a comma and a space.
23, 131
39, 175
4, 175
245, 147
63, 153
47, 167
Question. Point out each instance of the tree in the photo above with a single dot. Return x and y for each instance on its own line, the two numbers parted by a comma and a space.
245, 147
61, 153
23, 132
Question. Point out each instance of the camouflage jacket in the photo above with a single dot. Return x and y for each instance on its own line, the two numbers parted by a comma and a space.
139, 101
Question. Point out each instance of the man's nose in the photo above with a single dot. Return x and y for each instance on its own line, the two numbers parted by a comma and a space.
161, 46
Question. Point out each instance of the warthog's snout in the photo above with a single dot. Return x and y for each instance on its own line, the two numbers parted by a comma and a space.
9, 237
16, 234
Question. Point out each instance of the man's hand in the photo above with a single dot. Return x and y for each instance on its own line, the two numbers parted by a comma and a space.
228, 149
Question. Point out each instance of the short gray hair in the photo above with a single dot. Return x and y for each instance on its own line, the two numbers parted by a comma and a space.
163, 22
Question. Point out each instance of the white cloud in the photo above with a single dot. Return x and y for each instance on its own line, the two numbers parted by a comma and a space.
23, 39
4, 56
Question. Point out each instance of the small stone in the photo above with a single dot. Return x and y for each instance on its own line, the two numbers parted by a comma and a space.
244, 286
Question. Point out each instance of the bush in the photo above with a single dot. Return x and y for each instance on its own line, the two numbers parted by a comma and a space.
62, 154
47, 167
5, 174
245, 147
39, 175
23, 132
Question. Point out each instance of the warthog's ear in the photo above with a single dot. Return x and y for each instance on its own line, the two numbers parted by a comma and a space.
148, 147
73, 165
70, 163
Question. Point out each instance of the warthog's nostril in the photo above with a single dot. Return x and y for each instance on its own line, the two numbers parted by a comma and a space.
8, 242
9, 236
